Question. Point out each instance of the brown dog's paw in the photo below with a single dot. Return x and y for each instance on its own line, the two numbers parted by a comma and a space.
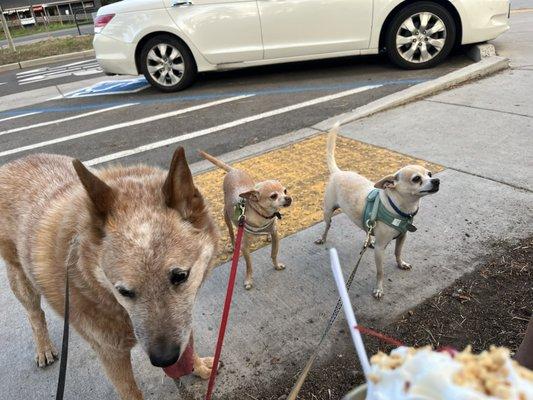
203, 367
268, 239
46, 356
405, 266
378, 293
319, 241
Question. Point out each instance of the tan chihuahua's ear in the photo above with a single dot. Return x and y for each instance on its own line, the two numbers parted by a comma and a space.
250, 195
102, 196
179, 190
389, 182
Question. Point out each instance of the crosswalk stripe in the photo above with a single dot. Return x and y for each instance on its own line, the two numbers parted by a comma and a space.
121, 125
203, 132
57, 121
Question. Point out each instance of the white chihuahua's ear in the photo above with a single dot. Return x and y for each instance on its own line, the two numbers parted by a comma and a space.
250, 195
388, 182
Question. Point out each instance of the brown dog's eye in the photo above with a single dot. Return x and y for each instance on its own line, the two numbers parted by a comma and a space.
417, 179
178, 276
125, 292
274, 196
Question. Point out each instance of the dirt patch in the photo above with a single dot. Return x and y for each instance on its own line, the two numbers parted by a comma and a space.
490, 306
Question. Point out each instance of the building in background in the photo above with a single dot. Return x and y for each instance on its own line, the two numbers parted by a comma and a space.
20, 13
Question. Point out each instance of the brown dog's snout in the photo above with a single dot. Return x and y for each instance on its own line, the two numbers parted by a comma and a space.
288, 201
164, 353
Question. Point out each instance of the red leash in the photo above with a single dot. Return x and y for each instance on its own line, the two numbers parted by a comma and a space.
227, 305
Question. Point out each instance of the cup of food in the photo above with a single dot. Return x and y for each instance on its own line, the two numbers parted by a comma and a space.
358, 393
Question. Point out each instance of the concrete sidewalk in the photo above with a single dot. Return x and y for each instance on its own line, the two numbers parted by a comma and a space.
481, 134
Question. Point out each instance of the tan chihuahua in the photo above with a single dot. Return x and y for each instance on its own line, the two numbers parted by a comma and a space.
263, 201
399, 194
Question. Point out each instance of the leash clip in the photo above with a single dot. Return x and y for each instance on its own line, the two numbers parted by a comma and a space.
241, 218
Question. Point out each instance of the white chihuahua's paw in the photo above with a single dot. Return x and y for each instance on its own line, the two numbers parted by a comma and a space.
248, 284
229, 248
378, 293
203, 367
279, 266
319, 241
405, 266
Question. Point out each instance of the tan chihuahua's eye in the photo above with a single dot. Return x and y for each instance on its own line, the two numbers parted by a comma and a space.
285, 191
178, 276
274, 196
417, 179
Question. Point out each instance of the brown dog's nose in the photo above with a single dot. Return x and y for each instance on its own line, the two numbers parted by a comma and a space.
164, 354
288, 201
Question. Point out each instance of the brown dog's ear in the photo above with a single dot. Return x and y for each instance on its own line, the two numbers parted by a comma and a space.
250, 195
389, 182
101, 195
179, 190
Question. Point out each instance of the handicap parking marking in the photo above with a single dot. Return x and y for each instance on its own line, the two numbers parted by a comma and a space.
105, 88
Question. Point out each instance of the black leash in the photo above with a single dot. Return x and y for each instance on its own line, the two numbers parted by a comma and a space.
64, 345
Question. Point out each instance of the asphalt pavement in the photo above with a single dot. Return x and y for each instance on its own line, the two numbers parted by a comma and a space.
239, 107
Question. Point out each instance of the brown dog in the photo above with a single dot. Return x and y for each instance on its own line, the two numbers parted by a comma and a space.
137, 241
263, 201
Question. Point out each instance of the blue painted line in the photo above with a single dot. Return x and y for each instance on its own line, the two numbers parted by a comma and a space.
211, 96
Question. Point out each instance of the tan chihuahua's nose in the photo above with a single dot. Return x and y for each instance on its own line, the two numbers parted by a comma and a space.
288, 201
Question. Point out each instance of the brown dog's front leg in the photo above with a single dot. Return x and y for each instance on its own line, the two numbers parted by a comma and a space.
274, 251
117, 365
398, 253
248, 281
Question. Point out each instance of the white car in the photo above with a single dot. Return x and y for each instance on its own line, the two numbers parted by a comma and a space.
169, 41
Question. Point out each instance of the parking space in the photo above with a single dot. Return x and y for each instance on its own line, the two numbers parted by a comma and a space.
124, 120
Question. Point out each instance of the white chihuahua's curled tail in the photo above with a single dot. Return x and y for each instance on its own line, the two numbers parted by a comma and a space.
332, 138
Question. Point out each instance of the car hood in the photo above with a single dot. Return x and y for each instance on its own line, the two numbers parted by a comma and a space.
125, 6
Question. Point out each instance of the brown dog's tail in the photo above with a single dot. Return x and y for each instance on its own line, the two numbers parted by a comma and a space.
216, 161
332, 138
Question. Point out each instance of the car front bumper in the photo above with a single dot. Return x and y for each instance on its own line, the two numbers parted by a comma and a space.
115, 56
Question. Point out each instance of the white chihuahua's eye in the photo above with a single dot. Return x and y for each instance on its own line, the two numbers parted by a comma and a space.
274, 196
430, 174
285, 191
125, 292
178, 276
417, 179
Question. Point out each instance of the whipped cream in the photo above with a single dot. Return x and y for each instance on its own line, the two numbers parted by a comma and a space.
424, 374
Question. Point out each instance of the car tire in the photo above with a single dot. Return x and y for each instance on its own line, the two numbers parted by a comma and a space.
421, 35
167, 63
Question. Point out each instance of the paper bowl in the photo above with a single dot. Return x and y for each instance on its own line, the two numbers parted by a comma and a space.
358, 393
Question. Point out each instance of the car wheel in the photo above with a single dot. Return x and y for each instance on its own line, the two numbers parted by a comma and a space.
421, 35
167, 63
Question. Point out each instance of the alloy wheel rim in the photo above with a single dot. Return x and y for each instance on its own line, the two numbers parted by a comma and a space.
421, 37
165, 64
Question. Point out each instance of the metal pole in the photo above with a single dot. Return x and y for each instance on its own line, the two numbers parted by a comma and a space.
6, 30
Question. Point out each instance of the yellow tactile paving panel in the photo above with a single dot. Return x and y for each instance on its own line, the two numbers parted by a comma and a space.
302, 168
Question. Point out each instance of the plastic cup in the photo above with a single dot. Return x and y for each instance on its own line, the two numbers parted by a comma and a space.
359, 393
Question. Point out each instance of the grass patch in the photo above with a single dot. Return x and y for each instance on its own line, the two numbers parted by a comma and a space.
32, 30
45, 48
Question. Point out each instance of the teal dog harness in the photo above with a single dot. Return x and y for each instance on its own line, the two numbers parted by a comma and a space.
376, 211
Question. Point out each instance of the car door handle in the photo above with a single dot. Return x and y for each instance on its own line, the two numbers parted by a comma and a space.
181, 3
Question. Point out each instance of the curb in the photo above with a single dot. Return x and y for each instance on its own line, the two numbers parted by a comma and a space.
486, 66
46, 60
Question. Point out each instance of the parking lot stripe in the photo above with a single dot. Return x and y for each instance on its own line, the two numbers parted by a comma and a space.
218, 128
121, 125
20, 116
57, 121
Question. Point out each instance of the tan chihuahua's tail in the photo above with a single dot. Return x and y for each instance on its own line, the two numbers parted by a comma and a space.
216, 161
332, 138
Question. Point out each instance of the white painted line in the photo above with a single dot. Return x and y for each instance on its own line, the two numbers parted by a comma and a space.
121, 125
203, 132
57, 121
20, 116
38, 70
2, 83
